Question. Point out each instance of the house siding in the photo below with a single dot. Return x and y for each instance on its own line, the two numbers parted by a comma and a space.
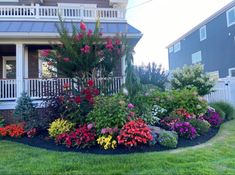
218, 50
100, 3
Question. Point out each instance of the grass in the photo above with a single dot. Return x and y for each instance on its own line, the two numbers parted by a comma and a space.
214, 157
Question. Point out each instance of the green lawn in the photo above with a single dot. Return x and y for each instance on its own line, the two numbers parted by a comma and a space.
215, 157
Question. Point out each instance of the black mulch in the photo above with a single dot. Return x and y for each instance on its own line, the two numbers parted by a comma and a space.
43, 141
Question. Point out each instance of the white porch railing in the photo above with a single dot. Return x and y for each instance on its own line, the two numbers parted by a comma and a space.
7, 89
41, 88
68, 13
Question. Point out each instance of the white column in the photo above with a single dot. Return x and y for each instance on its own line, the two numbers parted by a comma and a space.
124, 69
26, 68
19, 69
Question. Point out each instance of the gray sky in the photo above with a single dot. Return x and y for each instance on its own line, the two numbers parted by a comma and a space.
163, 21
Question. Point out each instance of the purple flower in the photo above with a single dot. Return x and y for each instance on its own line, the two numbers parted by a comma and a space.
130, 106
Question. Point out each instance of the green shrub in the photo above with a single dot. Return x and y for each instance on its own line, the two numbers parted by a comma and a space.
2, 121
109, 112
192, 77
202, 126
60, 126
168, 139
226, 108
218, 109
187, 99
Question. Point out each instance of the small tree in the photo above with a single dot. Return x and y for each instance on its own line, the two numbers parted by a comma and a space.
152, 75
25, 110
192, 77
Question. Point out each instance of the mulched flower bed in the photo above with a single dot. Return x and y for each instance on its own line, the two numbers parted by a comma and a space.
43, 141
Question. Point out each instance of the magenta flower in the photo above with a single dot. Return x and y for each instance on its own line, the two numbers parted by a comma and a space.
89, 126
79, 37
89, 34
66, 59
83, 26
86, 49
130, 106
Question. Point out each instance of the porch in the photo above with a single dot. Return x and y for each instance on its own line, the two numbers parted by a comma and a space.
22, 70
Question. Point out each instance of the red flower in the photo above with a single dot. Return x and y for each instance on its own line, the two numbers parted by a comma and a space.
89, 34
45, 52
109, 45
91, 83
83, 26
66, 85
96, 92
79, 37
77, 99
66, 59
86, 49
49, 63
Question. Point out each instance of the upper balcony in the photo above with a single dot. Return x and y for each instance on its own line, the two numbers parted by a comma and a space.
68, 13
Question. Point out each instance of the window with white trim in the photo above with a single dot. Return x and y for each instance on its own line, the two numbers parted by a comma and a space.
177, 47
203, 35
231, 72
171, 49
230, 16
44, 69
214, 75
9, 67
197, 57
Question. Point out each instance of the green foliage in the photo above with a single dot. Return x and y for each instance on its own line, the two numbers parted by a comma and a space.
60, 126
184, 98
2, 121
25, 110
168, 139
192, 77
152, 74
202, 126
108, 112
132, 81
227, 108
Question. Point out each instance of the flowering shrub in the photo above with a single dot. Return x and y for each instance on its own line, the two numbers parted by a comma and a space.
60, 126
109, 112
107, 142
134, 133
168, 139
32, 132
82, 137
183, 113
213, 118
202, 126
14, 130
185, 129
169, 122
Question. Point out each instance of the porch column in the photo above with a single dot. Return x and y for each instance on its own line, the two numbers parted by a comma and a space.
124, 69
19, 69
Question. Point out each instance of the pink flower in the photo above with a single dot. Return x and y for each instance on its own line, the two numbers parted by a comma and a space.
89, 126
89, 34
109, 45
117, 42
45, 53
103, 131
83, 26
130, 106
66, 59
86, 49
79, 37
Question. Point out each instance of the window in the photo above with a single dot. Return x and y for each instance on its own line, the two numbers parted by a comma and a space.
203, 33
171, 49
177, 47
231, 72
214, 75
44, 69
230, 17
9, 67
197, 57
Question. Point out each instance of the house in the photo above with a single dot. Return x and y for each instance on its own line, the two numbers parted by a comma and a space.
212, 43
27, 27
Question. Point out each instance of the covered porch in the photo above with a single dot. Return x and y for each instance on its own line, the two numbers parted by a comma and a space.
22, 70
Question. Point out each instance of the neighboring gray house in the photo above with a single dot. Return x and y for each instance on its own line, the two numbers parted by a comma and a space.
212, 43
28, 26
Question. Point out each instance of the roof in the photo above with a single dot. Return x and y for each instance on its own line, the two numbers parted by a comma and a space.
213, 16
40, 27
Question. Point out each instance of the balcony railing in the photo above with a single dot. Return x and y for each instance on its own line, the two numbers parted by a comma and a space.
67, 13
41, 88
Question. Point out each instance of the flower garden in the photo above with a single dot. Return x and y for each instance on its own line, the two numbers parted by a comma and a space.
91, 119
